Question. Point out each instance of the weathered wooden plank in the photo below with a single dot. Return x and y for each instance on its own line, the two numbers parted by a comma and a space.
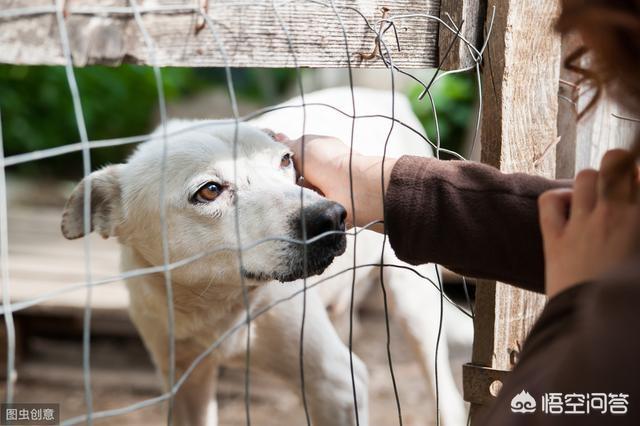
249, 31
471, 14
521, 88
584, 142
601, 131
519, 131
518, 134
567, 113
42, 261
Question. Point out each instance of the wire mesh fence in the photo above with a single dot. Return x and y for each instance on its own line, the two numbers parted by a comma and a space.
207, 16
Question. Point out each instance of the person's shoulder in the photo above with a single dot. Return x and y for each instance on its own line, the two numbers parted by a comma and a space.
618, 287
610, 309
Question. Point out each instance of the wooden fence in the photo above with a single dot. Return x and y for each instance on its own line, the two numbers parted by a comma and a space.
529, 102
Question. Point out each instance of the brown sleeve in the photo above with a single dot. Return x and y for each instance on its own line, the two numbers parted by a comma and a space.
581, 344
468, 217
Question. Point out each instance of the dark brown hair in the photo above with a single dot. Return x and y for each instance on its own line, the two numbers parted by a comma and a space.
611, 33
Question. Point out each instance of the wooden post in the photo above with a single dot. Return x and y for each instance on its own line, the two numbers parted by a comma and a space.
519, 132
471, 15
567, 113
521, 71
584, 142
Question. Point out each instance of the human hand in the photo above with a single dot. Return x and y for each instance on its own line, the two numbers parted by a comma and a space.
326, 169
325, 163
593, 228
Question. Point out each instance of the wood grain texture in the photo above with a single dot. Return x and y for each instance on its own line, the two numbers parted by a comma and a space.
600, 131
42, 261
519, 132
584, 142
249, 32
471, 13
567, 113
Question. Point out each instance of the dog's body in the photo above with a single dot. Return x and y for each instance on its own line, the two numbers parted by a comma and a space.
201, 195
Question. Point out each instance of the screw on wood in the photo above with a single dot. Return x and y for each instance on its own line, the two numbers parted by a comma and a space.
376, 43
200, 21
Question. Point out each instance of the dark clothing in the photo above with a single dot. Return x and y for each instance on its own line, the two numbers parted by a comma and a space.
480, 222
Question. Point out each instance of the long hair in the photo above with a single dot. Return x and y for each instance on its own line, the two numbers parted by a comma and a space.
610, 30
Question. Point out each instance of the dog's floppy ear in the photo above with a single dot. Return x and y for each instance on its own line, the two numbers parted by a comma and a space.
106, 205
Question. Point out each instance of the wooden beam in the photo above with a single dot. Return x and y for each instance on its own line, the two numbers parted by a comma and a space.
250, 33
567, 113
600, 130
584, 142
471, 13
519, 131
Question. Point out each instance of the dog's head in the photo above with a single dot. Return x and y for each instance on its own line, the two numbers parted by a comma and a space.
203, 188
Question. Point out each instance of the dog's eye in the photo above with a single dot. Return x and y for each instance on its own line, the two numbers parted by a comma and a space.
208, 193
286, 161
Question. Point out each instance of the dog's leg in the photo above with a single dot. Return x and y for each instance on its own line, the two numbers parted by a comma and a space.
326, 359
195, 402
417, 308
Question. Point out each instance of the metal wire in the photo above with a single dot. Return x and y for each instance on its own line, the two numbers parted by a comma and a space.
353, 210
135, 273
162, 107
243, 284
621, 117
303, 219
16, 159
85, 145
440, 323
227, 334
86, 163
396, 393
4, 266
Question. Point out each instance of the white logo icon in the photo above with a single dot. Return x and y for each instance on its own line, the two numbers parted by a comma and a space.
523, 403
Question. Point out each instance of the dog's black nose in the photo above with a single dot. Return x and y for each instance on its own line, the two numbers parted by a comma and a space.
326, 217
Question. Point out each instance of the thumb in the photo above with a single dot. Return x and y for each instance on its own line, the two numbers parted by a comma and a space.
553, 213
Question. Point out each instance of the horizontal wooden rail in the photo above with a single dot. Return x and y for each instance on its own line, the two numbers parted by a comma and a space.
251, 33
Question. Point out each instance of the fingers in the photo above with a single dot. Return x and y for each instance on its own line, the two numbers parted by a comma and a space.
554, 208
293, 144
585, 194
618, 178
280, 137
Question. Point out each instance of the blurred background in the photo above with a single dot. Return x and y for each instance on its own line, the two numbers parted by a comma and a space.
37, 113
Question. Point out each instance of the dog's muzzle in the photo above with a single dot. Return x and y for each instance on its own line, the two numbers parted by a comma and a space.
324, 223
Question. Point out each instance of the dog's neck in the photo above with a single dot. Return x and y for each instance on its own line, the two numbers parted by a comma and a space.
212, 299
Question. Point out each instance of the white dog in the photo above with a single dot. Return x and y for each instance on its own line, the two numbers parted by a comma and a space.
203, 189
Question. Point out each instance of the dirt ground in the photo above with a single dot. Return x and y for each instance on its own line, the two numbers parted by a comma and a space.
122, 374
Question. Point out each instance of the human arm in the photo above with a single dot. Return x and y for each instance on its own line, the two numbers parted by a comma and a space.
591, 241
466, 216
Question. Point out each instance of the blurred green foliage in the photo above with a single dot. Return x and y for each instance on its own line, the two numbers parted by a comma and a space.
37, 110
455, 97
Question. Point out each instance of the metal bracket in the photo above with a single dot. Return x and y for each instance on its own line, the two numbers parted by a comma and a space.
481, 384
